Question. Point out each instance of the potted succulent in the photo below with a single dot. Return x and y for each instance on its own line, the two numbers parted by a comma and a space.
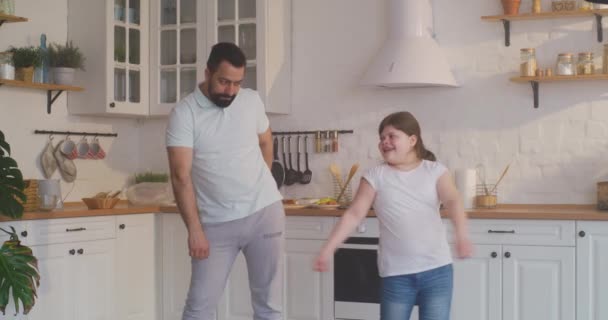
511, 7
25, 59
18, 267
63, 61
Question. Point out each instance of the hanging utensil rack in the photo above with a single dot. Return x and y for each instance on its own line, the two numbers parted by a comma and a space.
76, 133
310, 132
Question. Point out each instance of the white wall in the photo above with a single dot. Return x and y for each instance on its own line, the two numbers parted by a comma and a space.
557, 152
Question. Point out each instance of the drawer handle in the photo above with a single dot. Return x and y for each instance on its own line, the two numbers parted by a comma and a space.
494, 254
80, 251
24, 234
75, 229
501, 231
581, 234
72, 252
507, 254
122, 226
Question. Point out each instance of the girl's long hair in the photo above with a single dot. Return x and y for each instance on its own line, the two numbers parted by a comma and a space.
405, 122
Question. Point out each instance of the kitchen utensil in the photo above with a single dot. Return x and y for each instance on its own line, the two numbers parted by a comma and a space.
50, 187
335, 170
285, 167
277, 170
299, 173
290, 174
504, 172
352, 172
307, 175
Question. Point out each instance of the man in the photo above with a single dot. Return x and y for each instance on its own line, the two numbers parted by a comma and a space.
220, 150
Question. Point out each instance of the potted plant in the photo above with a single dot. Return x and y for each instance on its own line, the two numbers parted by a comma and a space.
18, 267
25, 59
511, 7
63, 61
150, 188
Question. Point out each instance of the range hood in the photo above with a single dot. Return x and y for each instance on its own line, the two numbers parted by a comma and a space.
410, 56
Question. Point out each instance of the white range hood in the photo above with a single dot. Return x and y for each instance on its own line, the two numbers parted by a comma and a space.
410, 57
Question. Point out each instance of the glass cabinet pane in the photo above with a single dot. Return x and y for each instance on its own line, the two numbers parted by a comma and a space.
187, 53
187, 11
119, 10
226, 34
168, 12
133, 12
120, 40
246, 9
187, 82
134, 43
168, 86
225, 10
251, 76
120, 84
134, 86
247, 40
168, 47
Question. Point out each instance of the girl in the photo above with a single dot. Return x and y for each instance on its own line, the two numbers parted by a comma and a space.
414, 258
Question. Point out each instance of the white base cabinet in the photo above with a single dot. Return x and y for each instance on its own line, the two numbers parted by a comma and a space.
591, 268
176, 267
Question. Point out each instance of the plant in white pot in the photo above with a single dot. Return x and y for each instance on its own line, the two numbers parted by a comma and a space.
64, 60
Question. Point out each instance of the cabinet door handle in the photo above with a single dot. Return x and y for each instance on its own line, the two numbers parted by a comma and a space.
112, 104
501, 231
507, 254
72, 252
494, 254
75, 229
80, 251
24, 233
122, 226
581, 234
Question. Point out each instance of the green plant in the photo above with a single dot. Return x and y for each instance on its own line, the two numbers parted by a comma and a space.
26, 57
151, 177
119, 54
11, 183
67, 56
18, 274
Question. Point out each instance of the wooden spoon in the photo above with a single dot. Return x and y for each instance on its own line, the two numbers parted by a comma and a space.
335, 170
352, 172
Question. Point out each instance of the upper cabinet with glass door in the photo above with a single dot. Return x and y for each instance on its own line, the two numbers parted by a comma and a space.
262, 29
183, 32
177, 45
115, 45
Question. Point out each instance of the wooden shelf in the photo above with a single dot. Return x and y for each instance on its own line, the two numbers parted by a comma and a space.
534, 81
8, 18
42, 86
547, 15
506, 19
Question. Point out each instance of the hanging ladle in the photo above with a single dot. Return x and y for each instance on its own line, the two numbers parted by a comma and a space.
307, 175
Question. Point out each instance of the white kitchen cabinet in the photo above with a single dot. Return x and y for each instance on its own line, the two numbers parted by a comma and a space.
591, 266
176, 266
235, 303
136, 280
183, 32
113, 36
508, 280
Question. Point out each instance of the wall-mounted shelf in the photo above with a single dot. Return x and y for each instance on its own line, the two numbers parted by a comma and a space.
535, 81
42, 86
506, 19
8, 18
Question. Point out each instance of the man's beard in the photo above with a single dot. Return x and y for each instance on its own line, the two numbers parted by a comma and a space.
219, 99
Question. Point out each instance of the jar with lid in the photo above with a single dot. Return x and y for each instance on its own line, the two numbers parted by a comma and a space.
527, 67
7, 71
585, 65
565, 64
605, 58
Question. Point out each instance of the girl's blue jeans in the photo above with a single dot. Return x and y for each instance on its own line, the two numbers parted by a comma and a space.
431, 290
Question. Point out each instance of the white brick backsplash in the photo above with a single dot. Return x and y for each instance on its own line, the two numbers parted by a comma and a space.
596, 130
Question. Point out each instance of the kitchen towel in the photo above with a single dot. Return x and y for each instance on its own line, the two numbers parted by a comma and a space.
465, 183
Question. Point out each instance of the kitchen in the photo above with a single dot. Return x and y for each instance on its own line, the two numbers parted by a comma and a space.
556, 151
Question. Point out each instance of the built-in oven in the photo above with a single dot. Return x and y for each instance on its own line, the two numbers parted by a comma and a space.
356, 278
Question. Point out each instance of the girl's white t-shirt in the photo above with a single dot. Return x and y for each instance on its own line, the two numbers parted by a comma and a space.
412, 235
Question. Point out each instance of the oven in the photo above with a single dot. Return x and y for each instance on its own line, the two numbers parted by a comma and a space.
356, 278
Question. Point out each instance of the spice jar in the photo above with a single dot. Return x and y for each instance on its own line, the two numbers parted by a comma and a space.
585, 65
565, 64
605, 58
536, 7
527, 66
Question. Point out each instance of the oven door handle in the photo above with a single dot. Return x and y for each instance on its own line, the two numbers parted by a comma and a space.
359, 246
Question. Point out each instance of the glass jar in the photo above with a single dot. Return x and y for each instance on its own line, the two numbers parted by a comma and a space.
527, 67
7, 71
565, 64
585, 65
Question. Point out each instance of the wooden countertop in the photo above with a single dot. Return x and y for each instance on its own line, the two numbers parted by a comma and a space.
505, 211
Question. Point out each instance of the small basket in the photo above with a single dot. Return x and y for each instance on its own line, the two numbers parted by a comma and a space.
100, 203
602, 195
347, 197
486, 196
32, 202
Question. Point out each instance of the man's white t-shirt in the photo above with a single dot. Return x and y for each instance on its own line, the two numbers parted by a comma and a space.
412, 235
231, 179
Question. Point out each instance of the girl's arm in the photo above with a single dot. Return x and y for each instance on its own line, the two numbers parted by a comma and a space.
352, 217
450, 197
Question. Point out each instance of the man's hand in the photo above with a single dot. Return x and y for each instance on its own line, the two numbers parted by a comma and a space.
198, 244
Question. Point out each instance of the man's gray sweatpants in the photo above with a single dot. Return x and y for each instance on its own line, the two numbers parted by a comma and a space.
261, 237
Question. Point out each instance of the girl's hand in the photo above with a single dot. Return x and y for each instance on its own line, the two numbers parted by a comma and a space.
464, 247
321, 263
